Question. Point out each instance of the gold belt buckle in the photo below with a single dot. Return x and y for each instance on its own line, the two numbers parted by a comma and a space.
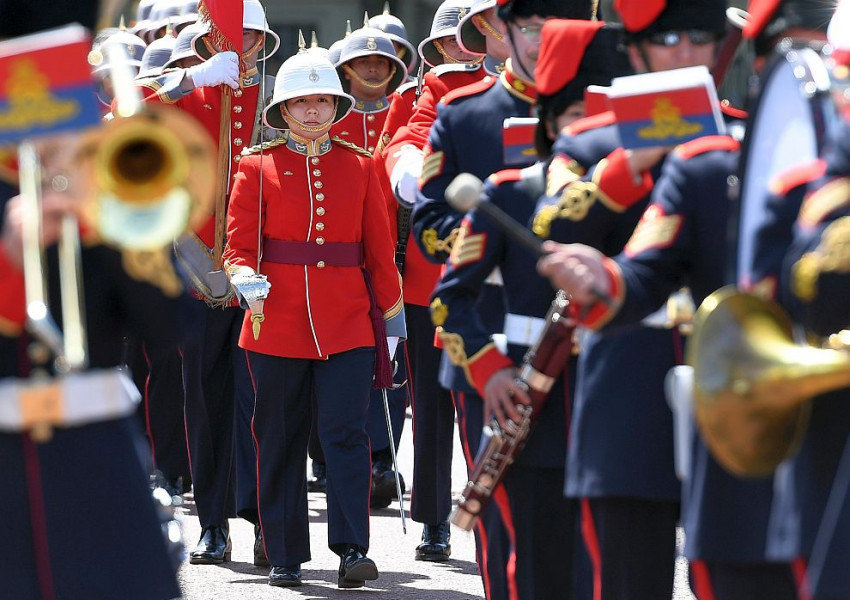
42, 408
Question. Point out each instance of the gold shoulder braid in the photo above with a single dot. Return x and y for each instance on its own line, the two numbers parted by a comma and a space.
265, 146
153, 267
349, 146
831, 256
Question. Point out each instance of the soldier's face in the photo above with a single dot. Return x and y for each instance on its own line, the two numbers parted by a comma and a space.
313, 111
372, 69
452, 48
526, 35
664, 58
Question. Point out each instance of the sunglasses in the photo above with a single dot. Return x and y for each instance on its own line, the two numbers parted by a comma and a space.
669, 39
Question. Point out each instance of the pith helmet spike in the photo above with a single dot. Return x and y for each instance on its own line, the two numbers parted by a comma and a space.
387, 7
121, 24
366, 19
347, 27
314, 42
302, 45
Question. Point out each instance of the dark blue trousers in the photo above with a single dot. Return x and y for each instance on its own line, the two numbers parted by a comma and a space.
433, 422
213, 369
284, 398
397, 399
77, 518
713, 580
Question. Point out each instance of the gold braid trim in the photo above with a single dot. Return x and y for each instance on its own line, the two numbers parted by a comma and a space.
352, 147
375, 86
154, 268
265, 146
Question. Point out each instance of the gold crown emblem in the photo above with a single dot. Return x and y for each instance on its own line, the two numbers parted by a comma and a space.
371, 44
314, 75
462, 12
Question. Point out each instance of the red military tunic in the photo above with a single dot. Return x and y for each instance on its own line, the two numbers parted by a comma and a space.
13, 313
316, 193
364, 124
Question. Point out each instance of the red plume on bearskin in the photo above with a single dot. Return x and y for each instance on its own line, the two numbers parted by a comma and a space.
637, 15
225, 20
761, 11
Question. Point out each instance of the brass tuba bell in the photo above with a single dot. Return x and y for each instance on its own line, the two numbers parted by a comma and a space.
752, 381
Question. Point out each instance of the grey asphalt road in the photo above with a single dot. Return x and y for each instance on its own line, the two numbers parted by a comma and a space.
401, 577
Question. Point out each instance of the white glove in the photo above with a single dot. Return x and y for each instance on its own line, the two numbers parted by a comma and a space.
221, 68
405, 176
392, 344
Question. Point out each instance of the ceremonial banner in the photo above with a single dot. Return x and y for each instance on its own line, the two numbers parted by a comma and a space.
224, 18
666, 108
46, 85
518, 141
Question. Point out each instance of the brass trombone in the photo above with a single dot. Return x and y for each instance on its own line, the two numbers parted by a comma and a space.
143, 178
752, 381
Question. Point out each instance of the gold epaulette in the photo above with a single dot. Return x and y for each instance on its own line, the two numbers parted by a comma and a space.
353, 147
265, 146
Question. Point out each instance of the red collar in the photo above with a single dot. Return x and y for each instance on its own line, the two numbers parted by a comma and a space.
517, 86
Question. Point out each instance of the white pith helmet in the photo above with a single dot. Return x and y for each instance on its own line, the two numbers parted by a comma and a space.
305, 74
253, 17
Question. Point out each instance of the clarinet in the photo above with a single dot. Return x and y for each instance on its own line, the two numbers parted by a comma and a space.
540, 368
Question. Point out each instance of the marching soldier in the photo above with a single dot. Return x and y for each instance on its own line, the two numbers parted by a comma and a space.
314, 334
535, 483
214, 371
479, 32
467, 136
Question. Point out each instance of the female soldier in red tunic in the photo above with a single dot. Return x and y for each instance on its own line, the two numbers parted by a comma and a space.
312, 209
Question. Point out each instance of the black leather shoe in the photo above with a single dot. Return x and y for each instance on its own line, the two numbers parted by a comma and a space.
435, 546
285, 576
260, 559
355, 568
214, 547
319, 481
383, 481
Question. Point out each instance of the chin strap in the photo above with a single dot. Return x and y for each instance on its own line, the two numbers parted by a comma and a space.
484, 24
311, 128
375, 86
452, 60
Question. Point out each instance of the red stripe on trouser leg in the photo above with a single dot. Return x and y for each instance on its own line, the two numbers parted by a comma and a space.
799, 568
701, 580
500, 497
256, 452
38, 518
591, 542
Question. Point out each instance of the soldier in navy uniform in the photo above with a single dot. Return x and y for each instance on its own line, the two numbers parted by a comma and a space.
321, 332
217, 387
467, 136
535, 484
677, 243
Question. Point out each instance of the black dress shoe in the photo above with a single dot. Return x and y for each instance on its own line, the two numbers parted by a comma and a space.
435, 546
355, 568
383, 481
214, 547
260, 558
319, 481
285, 576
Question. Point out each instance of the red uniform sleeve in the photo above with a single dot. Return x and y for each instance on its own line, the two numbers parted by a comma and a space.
13, 313
242, 223
378, 246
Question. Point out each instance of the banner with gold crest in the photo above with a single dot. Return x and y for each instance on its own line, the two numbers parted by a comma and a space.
46, 86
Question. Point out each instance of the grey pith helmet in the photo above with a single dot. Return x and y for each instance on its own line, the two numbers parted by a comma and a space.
183, 45
394, 28
253, 17
156, 55
133, 45
368, 41
188, 15
164, 12
305, 74
445, 24
468, 36
143, 15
